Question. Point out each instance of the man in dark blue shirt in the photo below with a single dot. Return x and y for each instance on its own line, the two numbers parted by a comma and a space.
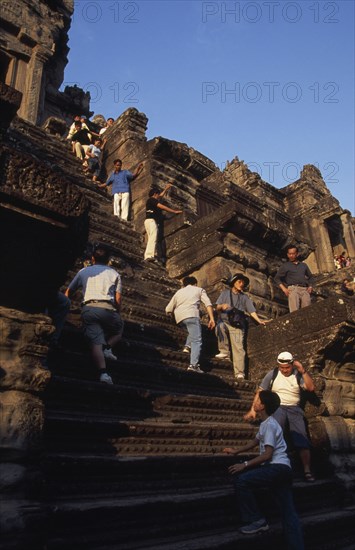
295, 280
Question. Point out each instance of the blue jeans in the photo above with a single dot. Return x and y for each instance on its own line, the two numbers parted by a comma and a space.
277, 478
194, 338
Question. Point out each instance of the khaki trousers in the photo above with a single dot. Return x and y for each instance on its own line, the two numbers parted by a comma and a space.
298, 298
232, 339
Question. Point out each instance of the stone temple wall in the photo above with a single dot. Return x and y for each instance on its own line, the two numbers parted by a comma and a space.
225, 228
33, 55
233, 220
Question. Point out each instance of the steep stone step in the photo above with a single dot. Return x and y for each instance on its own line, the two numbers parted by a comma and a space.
141, 325
117, 520
63, 393
141, 317
202, 409
58, 150
141, 340
73, 429
58, 153
138, 339
145, 315
176, 438
151, 371
319, 533
129, 402
71, 473
183, 516
100, 200
139, 475
130, 251
102, 214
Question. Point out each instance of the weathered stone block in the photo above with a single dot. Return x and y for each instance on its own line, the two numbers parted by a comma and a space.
10, 101
12, 476
55, 126
21, 424
312, 334
23, 348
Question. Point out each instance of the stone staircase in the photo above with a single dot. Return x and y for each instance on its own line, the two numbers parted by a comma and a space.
139, 465
133, 466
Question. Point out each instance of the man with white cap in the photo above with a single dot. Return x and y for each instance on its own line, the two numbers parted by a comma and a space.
288, 379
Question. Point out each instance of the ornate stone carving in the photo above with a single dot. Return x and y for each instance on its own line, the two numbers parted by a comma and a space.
233, 221
24, 178
23, 348
35, 42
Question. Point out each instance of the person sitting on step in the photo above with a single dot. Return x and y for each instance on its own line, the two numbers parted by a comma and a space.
270, 470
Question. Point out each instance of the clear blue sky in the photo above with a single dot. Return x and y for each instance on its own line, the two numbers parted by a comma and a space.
269, 81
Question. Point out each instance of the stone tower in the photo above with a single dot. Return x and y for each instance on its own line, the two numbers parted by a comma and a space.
33, 55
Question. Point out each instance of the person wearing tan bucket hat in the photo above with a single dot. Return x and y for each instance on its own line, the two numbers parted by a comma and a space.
233, 305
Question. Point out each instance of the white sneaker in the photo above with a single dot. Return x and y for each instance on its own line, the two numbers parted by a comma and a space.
104, 377
240, 376
222, 355
109, 355
195, 368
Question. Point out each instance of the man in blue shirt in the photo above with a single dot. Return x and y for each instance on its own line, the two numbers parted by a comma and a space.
120, 180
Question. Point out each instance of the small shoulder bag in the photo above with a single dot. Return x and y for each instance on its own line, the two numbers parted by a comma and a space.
236, 317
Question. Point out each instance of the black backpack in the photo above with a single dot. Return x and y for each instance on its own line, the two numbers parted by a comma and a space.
275, 372
305, 396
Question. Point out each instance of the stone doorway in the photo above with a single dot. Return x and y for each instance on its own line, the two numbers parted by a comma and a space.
5, 61
336, 235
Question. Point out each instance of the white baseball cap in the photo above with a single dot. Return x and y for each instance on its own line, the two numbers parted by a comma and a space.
285, 357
